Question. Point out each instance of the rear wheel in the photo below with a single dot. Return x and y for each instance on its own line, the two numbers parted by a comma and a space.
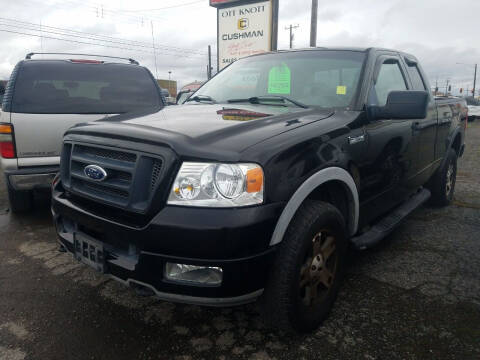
20, 200
308, 268
442, 184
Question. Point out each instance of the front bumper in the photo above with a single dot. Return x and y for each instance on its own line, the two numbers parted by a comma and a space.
31, 178
236, 240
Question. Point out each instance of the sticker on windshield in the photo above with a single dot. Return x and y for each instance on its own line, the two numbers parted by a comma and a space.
341, 90
279, 80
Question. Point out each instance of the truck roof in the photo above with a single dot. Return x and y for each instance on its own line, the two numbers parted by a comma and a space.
338, 48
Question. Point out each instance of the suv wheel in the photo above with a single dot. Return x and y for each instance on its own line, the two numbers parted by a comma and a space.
20, 201
308, 268
442, 184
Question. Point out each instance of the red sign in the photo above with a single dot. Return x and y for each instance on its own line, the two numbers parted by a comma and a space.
217, 3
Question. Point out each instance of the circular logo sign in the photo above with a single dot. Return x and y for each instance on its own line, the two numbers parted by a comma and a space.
95, 172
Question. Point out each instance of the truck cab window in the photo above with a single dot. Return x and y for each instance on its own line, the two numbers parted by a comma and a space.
415, 77
389, 78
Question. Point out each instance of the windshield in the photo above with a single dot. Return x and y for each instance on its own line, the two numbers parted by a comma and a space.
321, 78
71, 88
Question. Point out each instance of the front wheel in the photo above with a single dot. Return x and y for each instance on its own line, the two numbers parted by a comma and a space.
442, 184
307, 271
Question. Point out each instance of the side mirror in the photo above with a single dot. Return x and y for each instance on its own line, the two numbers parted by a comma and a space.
401, 105
181, 98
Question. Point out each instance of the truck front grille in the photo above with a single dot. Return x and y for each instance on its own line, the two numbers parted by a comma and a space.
131, 181
107, 154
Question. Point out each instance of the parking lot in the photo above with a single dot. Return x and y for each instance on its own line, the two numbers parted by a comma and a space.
416, 296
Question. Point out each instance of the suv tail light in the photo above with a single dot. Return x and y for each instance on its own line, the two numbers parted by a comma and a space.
7, 147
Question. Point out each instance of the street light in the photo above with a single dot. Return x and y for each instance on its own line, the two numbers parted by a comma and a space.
474, 76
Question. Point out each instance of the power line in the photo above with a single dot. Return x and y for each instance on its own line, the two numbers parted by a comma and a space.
167, 7
89, 43
84, 35
102, 12
132, 42
165, 51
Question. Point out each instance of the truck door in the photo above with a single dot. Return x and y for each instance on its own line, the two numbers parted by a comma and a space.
424, 130
390, 159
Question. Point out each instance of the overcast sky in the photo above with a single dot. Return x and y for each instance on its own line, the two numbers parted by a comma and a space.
440, 33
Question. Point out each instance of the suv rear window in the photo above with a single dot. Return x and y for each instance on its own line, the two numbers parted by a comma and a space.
61, 87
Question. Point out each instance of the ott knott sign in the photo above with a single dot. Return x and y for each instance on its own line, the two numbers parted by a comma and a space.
244, 28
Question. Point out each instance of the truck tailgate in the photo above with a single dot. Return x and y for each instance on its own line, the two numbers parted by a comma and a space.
40, 135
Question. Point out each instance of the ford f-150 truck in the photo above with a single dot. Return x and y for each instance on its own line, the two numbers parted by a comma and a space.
256, 187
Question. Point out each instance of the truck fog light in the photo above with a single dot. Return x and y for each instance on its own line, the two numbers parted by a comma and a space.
202, 275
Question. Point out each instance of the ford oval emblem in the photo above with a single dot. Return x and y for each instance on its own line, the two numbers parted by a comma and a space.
95, 172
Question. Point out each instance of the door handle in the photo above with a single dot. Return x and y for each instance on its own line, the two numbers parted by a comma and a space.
416, 125
356, 139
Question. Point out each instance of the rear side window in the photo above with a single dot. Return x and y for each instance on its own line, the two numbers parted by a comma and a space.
72, 88
389, 78
415, 77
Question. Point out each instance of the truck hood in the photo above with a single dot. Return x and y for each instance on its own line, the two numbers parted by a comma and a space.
205, 130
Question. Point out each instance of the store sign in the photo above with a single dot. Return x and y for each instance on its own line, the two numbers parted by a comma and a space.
243, 30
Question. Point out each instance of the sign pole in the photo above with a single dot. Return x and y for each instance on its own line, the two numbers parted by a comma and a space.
274, 40
209, 72
313, 24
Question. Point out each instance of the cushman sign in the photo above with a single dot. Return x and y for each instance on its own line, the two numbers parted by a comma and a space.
245, 29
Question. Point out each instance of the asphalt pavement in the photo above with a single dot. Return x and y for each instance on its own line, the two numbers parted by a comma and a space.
415, 296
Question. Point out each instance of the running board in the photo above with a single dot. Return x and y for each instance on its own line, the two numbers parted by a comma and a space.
381, 229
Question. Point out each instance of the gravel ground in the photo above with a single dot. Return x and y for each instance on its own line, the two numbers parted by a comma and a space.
415, 296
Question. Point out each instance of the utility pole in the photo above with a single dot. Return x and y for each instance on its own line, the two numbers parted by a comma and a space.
474, 80
313, 24
446, 88
291, 27
209, 70
474, 76
169, 84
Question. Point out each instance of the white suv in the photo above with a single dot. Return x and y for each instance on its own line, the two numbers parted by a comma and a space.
45, 97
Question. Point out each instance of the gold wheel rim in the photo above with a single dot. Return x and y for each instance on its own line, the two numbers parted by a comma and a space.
317, 272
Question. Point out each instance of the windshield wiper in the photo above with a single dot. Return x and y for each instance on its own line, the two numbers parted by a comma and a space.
266, 98
199, 98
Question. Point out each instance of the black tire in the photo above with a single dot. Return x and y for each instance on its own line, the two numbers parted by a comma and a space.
286, 304
442, 184
20, 201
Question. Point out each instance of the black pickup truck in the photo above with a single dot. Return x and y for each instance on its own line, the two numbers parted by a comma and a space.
256, 187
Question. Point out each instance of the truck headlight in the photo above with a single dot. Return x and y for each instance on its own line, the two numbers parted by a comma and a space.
217, 185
